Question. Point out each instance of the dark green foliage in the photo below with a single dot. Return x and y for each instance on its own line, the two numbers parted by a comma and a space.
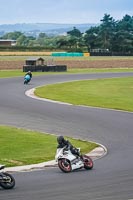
110, 36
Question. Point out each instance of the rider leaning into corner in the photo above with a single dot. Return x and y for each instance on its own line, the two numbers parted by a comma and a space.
29, 73
65, 143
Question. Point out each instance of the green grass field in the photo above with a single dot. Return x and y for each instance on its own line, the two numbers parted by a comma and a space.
15, 73
23, 58
116, 93
22, 147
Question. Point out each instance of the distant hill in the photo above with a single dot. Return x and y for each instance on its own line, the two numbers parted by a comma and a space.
48, 28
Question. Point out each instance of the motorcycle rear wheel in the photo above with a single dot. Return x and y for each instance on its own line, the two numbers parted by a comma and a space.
88, 163
64, 165
8, 181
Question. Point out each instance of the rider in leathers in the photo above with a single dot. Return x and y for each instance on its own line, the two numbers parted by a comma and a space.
29, 73
65, 143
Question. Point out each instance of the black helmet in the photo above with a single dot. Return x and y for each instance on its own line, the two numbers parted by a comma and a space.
60, 139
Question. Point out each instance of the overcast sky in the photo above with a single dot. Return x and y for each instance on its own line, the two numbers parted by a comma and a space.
62, 11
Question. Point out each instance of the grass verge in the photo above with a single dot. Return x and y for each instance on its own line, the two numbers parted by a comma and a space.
116, 93
22, 56
21, 147
15, 73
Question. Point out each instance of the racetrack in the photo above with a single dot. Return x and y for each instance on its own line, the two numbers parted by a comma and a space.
112, 176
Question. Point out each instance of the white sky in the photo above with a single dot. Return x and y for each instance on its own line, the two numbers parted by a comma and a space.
62, 11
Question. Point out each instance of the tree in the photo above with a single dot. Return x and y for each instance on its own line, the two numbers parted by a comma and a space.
12, 35
126, 23
90, 38
123, 37
22, 40
122, 41
75, 32
62, 42
106, 30
42, 35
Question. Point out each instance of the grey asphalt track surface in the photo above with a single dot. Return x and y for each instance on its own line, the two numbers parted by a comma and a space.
112, 175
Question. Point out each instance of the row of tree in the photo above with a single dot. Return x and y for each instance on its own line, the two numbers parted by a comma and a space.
110, 35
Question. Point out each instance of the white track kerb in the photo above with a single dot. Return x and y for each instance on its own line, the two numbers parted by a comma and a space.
96, 153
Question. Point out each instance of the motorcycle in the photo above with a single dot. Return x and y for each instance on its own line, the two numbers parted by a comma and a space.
27, 79
7, 181
68, 162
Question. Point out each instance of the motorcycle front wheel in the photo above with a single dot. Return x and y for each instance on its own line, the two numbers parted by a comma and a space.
25, 82
64, 165
88, 163
7, 182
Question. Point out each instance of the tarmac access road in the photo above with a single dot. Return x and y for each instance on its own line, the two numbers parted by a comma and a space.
112, 175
